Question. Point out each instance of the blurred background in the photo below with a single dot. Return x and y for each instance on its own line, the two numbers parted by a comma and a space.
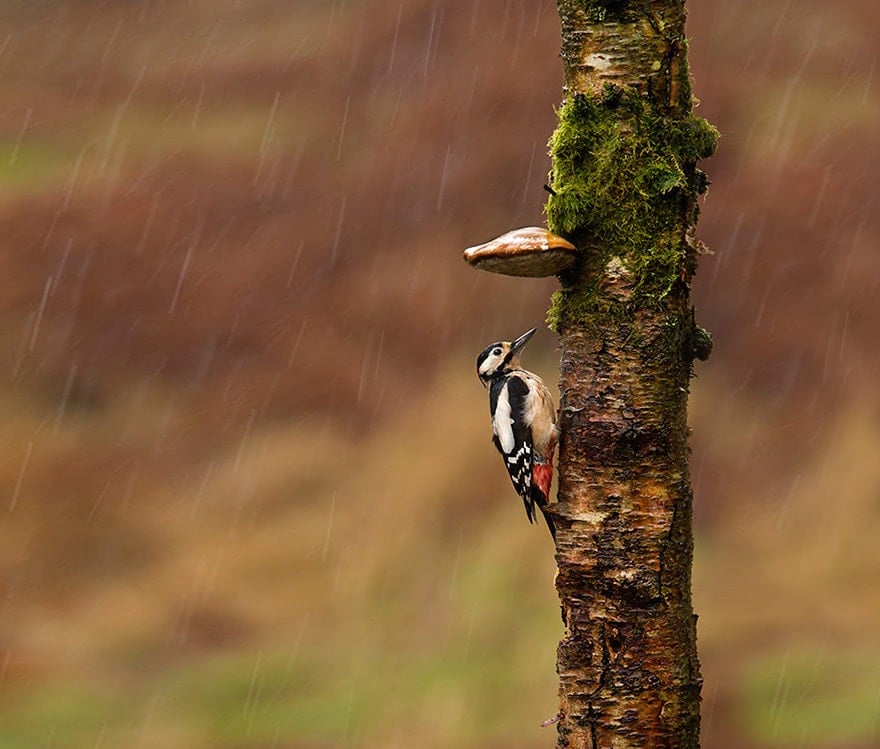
249, 498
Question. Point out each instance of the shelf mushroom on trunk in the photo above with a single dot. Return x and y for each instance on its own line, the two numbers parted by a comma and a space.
531, 251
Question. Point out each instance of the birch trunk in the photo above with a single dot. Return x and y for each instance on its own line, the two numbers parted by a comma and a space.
624, 187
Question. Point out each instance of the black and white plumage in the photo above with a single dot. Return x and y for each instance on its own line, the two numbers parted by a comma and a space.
523, 428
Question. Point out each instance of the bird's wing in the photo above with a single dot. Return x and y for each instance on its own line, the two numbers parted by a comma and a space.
513, 438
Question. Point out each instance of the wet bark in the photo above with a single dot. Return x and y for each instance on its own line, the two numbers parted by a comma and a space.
628, 667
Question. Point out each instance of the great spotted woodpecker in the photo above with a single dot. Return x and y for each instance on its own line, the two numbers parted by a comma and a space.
523, 425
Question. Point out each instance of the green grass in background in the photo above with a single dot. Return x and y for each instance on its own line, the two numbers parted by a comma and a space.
813, 697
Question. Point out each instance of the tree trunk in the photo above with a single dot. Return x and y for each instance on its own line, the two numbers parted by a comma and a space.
624, 189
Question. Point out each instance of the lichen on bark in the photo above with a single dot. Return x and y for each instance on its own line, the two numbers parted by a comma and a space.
625, 185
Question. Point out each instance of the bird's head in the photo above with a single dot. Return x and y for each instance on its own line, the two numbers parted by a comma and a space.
500, 357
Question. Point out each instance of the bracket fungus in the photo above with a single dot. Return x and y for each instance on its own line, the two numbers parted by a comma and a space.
530, 251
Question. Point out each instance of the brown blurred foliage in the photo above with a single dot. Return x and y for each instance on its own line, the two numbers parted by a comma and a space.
231, 288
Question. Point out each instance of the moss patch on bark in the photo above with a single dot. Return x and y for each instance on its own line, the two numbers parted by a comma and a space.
623, 177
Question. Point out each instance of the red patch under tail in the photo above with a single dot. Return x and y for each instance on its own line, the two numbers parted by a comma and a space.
542, 477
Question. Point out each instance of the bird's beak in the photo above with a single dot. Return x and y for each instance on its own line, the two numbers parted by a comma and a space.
522, 340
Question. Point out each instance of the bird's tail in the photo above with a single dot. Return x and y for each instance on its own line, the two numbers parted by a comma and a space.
548, 518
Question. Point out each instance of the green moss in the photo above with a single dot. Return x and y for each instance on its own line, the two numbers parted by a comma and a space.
599, 11
623, 178
590, 307
702, 343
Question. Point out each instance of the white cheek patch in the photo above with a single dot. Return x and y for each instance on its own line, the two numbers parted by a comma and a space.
488, 365
502, 423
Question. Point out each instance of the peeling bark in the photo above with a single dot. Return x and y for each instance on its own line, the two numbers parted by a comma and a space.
628, 667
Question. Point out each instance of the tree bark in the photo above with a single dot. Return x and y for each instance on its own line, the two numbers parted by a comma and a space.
624, 188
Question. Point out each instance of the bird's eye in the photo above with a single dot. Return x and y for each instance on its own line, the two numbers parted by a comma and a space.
496, 352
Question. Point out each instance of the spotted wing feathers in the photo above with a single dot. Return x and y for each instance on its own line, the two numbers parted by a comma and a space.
512, 437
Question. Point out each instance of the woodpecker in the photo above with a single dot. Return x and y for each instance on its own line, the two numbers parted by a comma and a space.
523, 422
